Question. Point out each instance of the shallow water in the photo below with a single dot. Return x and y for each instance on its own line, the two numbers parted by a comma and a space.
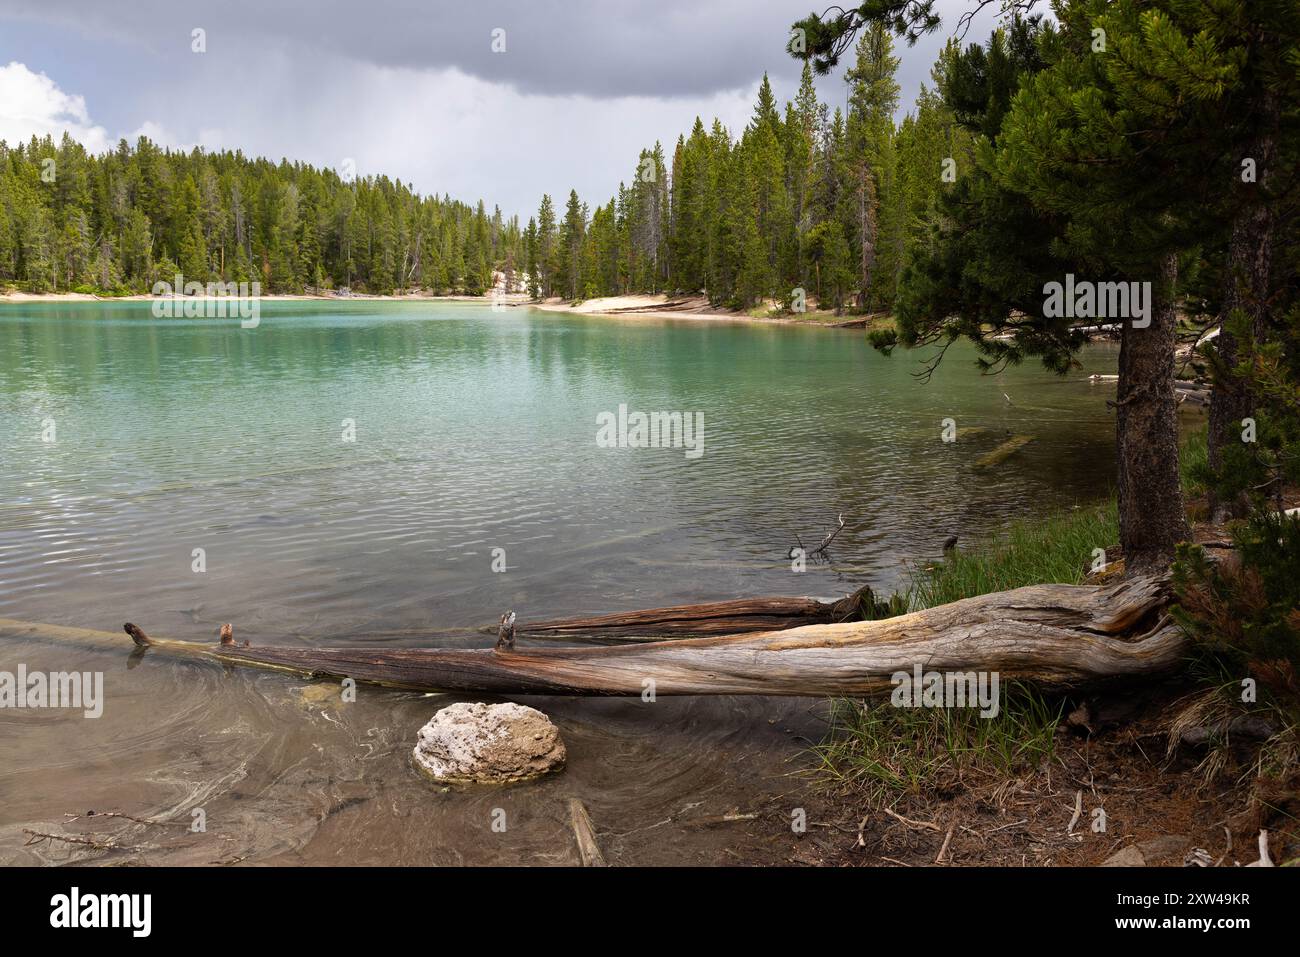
474, 430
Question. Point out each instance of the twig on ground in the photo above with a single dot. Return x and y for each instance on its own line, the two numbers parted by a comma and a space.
1078, 812
927, 825
943, 850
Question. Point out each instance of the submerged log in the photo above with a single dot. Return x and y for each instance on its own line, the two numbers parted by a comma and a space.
585, 835
1057, 636
1003, 451
708, 618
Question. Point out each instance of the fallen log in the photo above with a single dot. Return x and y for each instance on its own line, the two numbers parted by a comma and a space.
1003, 451
700, 620
1057, 636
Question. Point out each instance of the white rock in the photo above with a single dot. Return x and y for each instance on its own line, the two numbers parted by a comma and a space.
476, 742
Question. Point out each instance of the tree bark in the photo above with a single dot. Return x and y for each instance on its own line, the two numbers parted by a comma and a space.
708, 618
1056, 636
1250, 259
1152, 518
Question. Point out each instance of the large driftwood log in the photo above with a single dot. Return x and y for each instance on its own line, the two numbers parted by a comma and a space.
1053, 635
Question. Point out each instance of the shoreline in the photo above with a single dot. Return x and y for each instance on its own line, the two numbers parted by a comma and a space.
624, 307
681, 307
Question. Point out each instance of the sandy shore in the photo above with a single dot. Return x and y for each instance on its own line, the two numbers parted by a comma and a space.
678, 307
626, 307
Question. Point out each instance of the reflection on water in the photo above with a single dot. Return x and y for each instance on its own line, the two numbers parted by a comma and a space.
474, 431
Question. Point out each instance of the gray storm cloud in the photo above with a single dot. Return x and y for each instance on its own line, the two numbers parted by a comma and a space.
600, 48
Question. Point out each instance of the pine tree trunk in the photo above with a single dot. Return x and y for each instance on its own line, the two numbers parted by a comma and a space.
1151, 513
1250, 255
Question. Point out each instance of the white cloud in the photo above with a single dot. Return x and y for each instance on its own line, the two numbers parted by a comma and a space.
32, 104
443, 131
161, 135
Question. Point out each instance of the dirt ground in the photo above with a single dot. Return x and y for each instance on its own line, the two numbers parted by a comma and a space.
1134, 805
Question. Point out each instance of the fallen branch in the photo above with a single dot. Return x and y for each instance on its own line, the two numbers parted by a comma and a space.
938, 858
924, 825
731, 817
709, 618
36, 837
69, 818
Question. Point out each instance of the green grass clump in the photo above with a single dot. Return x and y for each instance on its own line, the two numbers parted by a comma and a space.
1193, 461
883, 751
1031, 552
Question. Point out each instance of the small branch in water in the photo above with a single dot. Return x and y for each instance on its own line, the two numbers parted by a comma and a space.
137, 635
37, 836
125, 817
506, 633
731, 817
228, 637
825, 541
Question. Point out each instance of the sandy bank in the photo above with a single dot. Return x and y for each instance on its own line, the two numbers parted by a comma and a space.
635, 307
678, 307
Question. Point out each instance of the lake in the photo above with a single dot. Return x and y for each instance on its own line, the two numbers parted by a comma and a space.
401, 472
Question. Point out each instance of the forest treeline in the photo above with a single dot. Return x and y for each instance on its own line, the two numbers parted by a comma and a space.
119, 222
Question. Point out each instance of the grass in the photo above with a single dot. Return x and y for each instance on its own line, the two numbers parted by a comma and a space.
886, 752
1058, 548
1193, 460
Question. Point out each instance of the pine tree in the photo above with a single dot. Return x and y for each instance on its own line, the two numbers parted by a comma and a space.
870, 160
569, 248
534, 281
546, 246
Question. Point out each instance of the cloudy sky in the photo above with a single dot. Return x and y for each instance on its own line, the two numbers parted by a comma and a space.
411, 88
